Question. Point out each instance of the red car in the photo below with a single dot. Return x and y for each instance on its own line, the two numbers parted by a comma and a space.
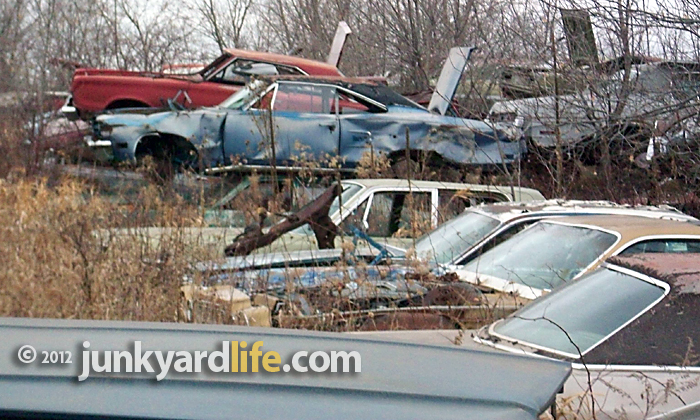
95, 90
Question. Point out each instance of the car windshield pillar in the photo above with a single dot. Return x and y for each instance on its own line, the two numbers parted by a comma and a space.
247, 95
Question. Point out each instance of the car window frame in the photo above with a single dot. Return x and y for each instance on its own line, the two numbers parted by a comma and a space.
516, 286
409, 190
222, 69
249, 106
374, 106
281, 84
499, 230
604, 266
635, 241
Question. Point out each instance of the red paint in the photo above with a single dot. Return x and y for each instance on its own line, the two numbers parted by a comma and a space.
95, 90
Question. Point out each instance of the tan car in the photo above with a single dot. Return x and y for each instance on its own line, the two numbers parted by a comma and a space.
553, 252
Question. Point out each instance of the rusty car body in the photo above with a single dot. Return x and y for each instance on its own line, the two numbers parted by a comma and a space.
369, 201
285, 122
625, 110
95, 90
386, 278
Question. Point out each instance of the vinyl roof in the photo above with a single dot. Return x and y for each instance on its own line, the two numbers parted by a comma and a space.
632, 227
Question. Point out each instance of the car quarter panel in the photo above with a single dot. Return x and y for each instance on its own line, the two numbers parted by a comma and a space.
202, 128
455, 140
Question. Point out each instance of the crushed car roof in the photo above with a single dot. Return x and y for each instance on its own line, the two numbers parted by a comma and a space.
397, 380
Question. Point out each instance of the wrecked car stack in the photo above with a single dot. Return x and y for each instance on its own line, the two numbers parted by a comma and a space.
595, 284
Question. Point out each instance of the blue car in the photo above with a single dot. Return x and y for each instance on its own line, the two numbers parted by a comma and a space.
292, 120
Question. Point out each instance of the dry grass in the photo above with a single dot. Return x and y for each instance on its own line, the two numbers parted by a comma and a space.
53, 263
56, 266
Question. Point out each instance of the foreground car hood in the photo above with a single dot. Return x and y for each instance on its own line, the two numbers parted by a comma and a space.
446, 383
278, 259
390, 280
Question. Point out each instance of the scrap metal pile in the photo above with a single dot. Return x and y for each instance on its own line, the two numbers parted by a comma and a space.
562, 279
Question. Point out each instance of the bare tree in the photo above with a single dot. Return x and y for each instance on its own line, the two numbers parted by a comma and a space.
225, 20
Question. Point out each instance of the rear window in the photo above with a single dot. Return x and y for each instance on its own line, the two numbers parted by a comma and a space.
559, 321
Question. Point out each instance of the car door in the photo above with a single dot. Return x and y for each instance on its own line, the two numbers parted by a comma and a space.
247, 132
305, 123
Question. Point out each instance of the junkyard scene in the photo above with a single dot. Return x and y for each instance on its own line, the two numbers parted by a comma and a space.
495, 203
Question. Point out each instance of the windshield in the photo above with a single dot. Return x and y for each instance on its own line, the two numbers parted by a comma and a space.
452, 239
243, 96
545, 255
612, 299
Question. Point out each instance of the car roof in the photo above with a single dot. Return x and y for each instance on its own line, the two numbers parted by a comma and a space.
633, 227
506, 211
525, 193
314, 67
368, 87
681, 270
672, 321
333, 80
396, 379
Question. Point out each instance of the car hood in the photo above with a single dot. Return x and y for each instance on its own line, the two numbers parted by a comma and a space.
283, 259
306, 268
400, 380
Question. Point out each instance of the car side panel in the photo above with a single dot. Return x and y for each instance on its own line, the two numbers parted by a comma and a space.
450, 138
640, 393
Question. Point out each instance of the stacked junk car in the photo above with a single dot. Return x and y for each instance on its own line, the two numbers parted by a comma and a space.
395, 232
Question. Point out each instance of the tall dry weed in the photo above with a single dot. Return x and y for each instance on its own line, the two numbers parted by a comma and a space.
61, 258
